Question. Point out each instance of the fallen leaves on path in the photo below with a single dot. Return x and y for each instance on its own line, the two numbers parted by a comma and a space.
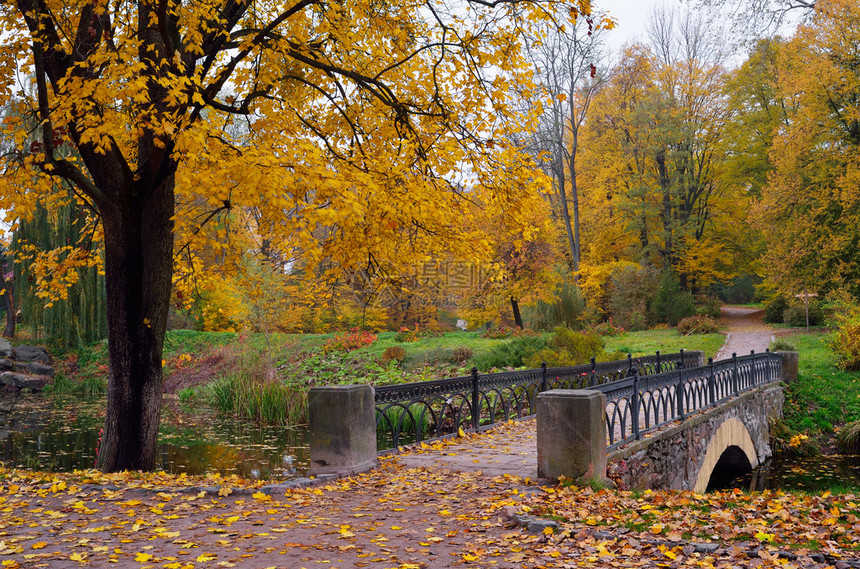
399, 518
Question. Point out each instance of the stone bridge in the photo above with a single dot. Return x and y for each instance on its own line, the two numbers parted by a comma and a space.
714, 446
684, 427
692, 451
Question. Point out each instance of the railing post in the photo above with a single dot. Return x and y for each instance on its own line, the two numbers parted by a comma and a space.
767, 373
543, 377
680, 394
659, 367
753, 380
635, 403
593, 380
711, 382
629, 364
682, 365
735, 374
476, 398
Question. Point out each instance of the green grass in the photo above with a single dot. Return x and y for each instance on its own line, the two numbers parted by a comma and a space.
667, 341
295, 363
449, 340
823, 397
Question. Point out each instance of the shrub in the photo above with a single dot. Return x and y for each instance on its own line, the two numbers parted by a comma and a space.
773, 309
462, 355
845, 343
407, 335
394, 353
502, 332
708, 306
780, 345
510, 354
348, 341
567, 348
637, 321
566, 309
607, 328
795, 315
671, 304
697, 325
849, 437
631, 293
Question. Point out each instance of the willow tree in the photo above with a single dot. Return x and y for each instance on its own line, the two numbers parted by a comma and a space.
372, 131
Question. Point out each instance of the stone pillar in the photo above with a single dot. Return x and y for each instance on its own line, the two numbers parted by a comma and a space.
571, 434
695, 357
790, 364
342, 429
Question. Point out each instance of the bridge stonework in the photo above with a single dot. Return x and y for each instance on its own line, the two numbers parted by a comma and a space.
683, 456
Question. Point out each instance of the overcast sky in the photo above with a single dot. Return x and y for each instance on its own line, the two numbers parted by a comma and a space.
631, 16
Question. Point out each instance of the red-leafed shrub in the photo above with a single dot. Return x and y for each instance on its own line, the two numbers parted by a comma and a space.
348, 341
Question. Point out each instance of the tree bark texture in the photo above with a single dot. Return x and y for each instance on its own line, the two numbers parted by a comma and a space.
518, 319
138, 272
9, 307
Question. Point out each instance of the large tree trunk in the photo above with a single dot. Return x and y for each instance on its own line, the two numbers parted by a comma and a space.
138, 273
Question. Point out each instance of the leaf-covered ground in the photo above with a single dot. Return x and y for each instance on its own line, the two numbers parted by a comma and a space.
403, 518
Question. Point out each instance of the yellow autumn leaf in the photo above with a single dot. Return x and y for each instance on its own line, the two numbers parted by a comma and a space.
38, 545
143, 557
204, 557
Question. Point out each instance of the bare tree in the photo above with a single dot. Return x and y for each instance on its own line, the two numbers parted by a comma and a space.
753, 20
569, 65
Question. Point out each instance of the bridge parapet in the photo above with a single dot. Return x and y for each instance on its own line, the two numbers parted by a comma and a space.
684, 456
640, 404
682, 411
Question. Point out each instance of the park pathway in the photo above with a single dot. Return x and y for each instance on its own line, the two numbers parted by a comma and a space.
745, 331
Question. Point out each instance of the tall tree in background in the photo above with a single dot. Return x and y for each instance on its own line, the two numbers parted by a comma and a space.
810, 208
566, 60
653, 154
379, 127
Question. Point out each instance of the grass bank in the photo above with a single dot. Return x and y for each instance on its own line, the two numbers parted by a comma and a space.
824, 397
266, 377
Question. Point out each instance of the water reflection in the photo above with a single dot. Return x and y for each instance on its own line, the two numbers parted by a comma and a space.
50, 433
803, 473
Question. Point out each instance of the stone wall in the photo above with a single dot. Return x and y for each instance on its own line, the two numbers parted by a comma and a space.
672, 458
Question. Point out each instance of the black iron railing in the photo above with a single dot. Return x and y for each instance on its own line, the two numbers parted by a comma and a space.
427, 410
638, 404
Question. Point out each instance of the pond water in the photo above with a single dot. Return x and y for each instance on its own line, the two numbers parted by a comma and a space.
51, 433
806, 474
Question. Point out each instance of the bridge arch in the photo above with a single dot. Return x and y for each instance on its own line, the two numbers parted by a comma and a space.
731, 441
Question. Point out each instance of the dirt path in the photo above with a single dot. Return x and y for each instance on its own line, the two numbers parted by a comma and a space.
746, 331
